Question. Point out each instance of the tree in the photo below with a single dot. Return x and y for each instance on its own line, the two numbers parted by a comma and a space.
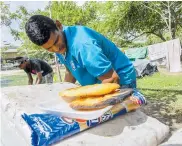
170, 13
109, 16
134, 19
7, 17
123, 22
3, 49
4, 13
69, 13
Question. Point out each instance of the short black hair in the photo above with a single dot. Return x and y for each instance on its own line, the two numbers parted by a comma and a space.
38, 28
20, 58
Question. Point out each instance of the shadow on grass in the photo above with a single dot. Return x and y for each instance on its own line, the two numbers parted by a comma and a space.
163, 90
159, 106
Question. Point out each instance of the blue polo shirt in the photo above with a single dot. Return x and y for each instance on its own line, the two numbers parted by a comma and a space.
90, 55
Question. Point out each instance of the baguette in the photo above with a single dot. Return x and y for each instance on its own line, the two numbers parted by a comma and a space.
88, 91
93, 103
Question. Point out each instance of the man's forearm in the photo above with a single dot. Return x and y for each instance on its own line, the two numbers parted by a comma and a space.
110, 77
111, 80
39, 80
36, 80
30, 79
69, 78
30, 82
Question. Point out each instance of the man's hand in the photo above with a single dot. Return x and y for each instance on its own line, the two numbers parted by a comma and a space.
39, 78
110, 77
30, 79
36, 80
69, 77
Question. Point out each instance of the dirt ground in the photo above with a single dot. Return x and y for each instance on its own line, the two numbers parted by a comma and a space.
159, 110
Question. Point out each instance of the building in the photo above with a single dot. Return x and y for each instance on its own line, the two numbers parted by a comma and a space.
9, 55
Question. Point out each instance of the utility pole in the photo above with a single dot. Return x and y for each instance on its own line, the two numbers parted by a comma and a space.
55, 58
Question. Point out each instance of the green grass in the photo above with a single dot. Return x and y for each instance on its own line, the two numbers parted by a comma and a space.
160, 86
20, 79
14, 80
161, 81
157, 81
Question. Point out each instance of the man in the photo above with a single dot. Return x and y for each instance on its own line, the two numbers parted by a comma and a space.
43, 71
89, 57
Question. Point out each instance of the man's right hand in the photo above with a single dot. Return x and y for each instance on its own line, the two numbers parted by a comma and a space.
30, 82
110, 77
30, 79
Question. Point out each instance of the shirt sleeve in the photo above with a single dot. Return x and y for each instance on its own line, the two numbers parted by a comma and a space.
94, 60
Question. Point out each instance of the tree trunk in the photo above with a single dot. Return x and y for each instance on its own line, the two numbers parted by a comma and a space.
174, 30
162, 38
58, 69
169, 20
159, 35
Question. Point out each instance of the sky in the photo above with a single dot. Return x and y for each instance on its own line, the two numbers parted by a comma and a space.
14, 5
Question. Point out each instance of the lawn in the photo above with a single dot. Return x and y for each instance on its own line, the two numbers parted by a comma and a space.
20, 78
161, 81
163, 93
160, 87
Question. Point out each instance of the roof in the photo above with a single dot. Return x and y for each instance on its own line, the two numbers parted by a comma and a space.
11, 51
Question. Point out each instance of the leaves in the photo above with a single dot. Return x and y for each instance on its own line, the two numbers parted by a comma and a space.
4, 13
124, 22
